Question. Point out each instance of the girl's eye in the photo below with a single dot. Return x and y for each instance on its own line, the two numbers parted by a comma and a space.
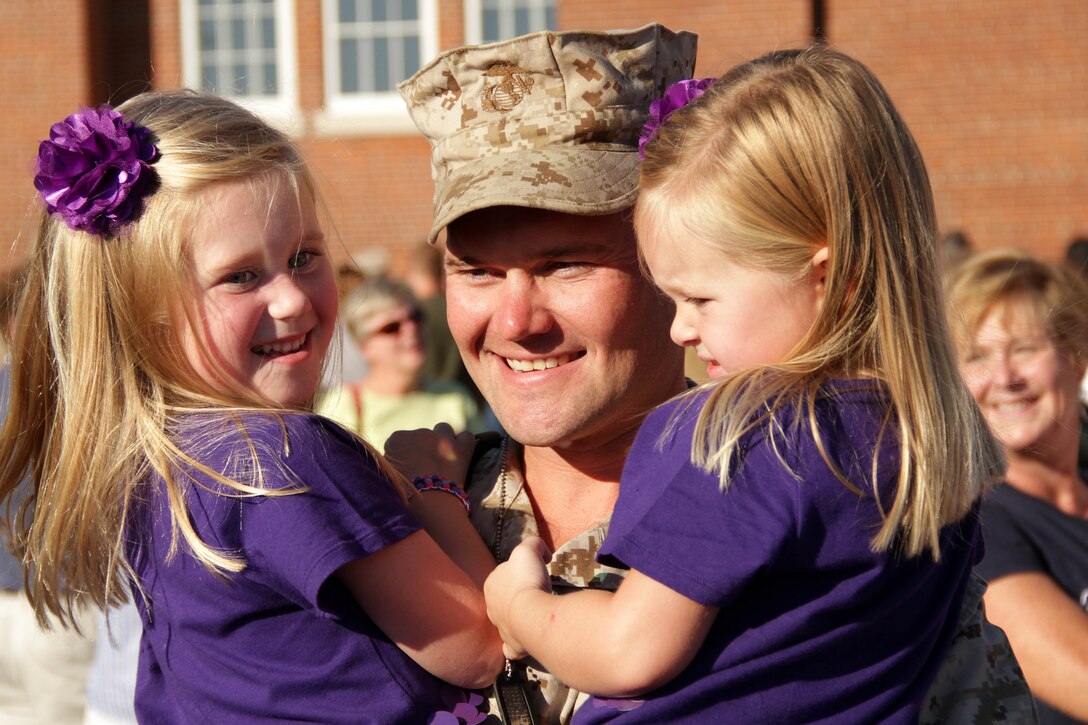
239, 279
302, 259
695, 301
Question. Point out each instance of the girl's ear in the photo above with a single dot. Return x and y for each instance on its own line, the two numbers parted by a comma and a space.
819, 274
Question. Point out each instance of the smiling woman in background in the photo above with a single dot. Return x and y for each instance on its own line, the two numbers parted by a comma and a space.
385, 321
1023, 340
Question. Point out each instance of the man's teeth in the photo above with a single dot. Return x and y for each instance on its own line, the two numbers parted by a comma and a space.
280, 348
527, 366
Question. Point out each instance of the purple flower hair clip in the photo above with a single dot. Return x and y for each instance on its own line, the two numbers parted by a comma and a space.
95, 170
676, 96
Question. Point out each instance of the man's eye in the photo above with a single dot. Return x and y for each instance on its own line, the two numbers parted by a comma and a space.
475, 273
566, 266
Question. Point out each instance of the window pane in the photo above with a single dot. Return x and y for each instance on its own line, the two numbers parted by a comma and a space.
381, 65
238, 34
237, 44
209, 80
268, 33
349, 66
207, 35
549, 16
491, 25
270, 83
241, 80
380, 44
412, 60
521, 21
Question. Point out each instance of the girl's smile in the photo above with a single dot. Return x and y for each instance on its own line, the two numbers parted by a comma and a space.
266, 299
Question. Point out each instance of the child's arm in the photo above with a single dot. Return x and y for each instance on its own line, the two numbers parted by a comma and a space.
424, 592
618, 645
440, 452
429, 608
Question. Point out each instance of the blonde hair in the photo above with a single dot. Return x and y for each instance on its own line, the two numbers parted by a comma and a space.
785, 154
98, 375
370, 297
1013, 280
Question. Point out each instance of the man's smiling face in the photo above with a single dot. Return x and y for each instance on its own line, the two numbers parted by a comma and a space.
563, 335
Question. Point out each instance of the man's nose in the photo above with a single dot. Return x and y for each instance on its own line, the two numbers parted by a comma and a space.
525, 308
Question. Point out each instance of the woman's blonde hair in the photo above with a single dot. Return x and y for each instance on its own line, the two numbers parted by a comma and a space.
1015, 282
370, 297
785, 154
98, 373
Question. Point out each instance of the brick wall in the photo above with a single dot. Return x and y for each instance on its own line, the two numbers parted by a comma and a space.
995, 93
44, 76
993, 89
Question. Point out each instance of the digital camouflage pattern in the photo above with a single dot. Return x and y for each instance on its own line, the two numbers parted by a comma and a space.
573, 566
980, 681
548, 120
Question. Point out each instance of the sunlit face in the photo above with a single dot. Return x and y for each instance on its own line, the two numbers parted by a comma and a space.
558, 328
265, 296
735, 317
395, 339
1027, 388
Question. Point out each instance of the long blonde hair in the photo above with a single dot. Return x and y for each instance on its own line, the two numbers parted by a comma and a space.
98, 374
782, 155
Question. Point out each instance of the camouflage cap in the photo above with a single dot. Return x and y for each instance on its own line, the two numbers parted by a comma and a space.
548, 120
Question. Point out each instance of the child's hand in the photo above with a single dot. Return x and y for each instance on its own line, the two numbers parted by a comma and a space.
525, 570
438, 452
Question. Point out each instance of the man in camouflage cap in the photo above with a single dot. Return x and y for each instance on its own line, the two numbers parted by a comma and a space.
535, 164
536, 169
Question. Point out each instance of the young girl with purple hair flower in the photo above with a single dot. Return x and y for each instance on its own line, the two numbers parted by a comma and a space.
801, 530
178, 308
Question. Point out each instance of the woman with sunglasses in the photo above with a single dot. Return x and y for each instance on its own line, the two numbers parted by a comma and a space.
384, 320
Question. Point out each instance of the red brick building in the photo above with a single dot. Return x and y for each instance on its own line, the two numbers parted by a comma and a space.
995, 90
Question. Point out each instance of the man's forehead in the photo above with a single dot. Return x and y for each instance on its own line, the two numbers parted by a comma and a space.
515, 232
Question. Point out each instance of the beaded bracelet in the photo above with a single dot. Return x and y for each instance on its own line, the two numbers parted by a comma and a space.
437, 483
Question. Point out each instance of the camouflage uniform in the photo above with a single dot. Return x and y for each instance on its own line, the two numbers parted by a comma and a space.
980, 681
573, 566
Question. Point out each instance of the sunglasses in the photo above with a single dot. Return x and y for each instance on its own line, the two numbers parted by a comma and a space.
392, 328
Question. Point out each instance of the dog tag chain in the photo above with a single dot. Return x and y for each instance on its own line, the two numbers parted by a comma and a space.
509, 687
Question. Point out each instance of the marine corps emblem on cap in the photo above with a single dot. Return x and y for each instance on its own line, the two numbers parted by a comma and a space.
514, 83
548, 120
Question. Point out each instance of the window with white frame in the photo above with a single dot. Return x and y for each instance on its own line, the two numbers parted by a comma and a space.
489, 20
370, 46
242, 49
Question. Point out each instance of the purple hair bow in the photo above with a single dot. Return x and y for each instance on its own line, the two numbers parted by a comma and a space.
94, 170
676, 96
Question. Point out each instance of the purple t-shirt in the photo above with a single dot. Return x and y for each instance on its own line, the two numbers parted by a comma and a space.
283, 639
813, 626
